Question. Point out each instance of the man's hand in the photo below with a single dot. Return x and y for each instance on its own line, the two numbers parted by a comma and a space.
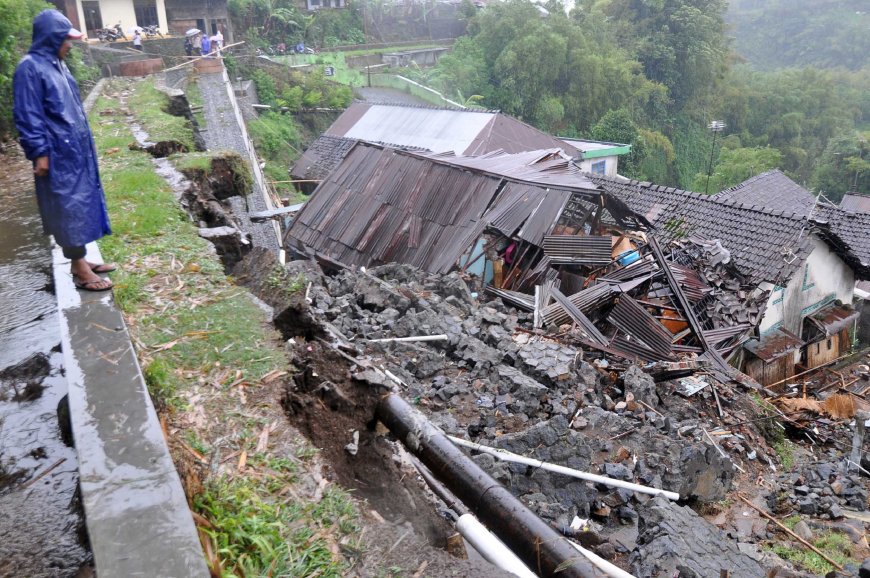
40, 169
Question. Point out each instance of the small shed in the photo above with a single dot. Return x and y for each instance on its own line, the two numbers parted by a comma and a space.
772, 358
827, 333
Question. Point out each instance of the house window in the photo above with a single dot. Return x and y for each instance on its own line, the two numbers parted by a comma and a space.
829, 344
778, 294
807, 285
818, 348
598, 167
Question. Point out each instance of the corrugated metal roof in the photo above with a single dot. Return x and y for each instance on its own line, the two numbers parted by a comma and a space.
580, 250
774, 345
631, 318
461, 131
833, 318
383, 205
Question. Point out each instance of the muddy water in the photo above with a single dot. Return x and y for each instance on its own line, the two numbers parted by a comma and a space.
40, 518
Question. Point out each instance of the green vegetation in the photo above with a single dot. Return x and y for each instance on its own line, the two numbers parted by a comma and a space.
279, 279
835, 545
156, 121
257, 534
203, 344
787, 33
785, 452
272, 22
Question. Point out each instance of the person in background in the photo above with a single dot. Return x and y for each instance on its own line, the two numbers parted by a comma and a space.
137, 40
188, 45
54, 133
218, 40
205, 46
215, 45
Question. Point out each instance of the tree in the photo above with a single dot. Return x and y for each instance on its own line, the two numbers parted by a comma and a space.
617, 126
843, 167
736, 165
16, 25
681, 43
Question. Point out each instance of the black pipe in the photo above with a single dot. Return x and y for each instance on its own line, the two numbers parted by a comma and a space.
536, 543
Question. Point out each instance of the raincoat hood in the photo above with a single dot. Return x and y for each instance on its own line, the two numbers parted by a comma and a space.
50, 29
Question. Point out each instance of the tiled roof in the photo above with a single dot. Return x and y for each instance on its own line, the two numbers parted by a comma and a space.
766, 245
770, 190
855, 202
848, 232
322, 157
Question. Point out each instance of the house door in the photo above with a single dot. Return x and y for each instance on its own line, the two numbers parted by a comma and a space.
93, 17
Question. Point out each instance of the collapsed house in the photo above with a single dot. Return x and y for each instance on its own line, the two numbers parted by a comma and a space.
541, 236
806, 262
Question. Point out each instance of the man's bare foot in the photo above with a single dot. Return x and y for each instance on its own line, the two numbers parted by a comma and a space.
102, 267
84, 278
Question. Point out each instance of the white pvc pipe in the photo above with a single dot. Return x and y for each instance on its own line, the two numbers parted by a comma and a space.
491, 548
601, 563
511, 457
441, 337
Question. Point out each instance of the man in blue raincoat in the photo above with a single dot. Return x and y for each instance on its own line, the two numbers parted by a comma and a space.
55, 135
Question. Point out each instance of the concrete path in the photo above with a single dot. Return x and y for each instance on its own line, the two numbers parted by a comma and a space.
223, 133
136, 512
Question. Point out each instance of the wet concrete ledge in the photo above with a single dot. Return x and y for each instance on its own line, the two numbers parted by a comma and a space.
135, 509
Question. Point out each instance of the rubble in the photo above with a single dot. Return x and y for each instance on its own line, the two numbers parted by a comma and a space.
674, 541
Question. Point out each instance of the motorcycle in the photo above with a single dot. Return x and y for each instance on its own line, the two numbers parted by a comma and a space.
152, 31
111, 34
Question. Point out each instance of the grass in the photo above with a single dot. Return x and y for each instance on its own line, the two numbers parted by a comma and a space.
261, 536
785, 451
159, 125
279, 279
835, 545
208, 359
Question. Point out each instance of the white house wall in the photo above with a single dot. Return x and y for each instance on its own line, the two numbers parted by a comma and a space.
114, 11
822, 279
609, 166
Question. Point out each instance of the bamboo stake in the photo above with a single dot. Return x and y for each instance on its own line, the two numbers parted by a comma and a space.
212, 53
789, 532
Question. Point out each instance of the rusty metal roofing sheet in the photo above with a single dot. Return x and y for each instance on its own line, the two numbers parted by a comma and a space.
717, 336
833, 318
587, 300
575, 249
633, 319
635, 350
774, 345
574, 313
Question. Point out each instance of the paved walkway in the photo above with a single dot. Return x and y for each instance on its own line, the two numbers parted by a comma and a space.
223, 133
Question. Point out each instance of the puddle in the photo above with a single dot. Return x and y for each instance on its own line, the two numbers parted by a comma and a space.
41, 522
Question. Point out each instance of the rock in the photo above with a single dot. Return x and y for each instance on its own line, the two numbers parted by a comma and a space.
641, 385
802, 490
617, 471
807, 507
803, 530
674, 541
606, 551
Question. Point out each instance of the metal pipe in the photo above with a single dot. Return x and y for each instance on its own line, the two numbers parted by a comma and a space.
537, 544
517, 459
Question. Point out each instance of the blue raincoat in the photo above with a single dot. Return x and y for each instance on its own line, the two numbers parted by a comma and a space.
51, 122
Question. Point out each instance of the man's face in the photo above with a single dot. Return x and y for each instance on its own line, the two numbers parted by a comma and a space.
64, 48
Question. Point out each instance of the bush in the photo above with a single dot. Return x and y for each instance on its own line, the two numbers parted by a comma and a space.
16, 30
